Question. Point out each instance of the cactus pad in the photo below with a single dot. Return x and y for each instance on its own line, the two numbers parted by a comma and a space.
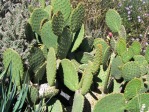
11, 56
97, 59
70, 75
79, 39
33, 95
63, 6
127, 55
121, 46
48, 38
132, 88
115, 71
57, 23
64, 43
40, 72
36, 59
113, 20
110, 103
137, 102
130, 70
84, 57
37, 16
51, 67
78, 103
136, 47
77, 17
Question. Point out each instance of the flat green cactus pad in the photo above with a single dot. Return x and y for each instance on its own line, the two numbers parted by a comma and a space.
57, 23
97, 59
54, 105
79, 39
40, 72
111, 103
130, 70
113, 20
48, 9
48, 38
132, 88
64, 43
36, 59
37, 16
51, 66
32, 95
121, 46
70, 75
63, 6
11, 56
137, 102
115, 71
122, 32
78, 103
136, 47
77, 17
127, 55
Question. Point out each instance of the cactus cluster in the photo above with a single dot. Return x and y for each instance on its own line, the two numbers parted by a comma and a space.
65, 61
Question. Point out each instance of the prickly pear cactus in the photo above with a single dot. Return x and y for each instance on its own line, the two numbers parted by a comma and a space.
136, 47
32, 95
51, 67
78, 103
64, 43
105, 105
79, 39
121, 46
37, 16
86, 80
77, 17
113, 20
36, 59
12, 57
137, 102
132, 88
63, 6
130, 70
48, 38
70, 75
58, 23
115, 67
97, 59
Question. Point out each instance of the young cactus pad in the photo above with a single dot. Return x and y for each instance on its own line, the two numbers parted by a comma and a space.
113, 20
71, 78
111, 103
11, 56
